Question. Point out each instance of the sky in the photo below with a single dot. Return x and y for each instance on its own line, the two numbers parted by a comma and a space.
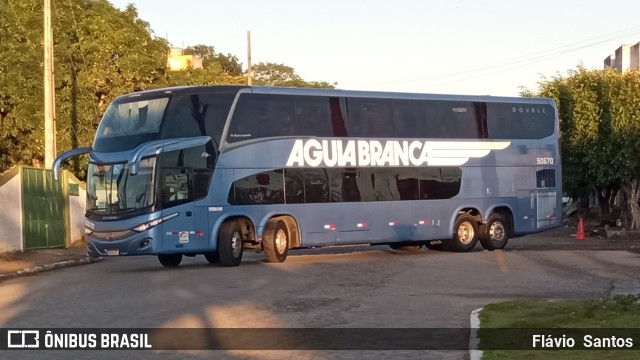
479, 47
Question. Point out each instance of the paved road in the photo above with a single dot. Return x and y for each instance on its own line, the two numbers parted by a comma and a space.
339, 287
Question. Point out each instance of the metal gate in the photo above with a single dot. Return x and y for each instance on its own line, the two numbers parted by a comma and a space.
44, 202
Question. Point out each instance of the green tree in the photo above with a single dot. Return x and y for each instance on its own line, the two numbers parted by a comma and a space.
100, 53
227, 63
272, 74
600, 134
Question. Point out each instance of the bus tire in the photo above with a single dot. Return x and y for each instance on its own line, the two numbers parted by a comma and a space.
276, 241
213, 257
230, 244
170, 260
406, 246
495, 234
465, 234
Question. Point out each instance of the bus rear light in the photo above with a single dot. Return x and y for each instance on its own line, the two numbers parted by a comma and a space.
423, 222
199, 233
362, 225
330, 227
393, 223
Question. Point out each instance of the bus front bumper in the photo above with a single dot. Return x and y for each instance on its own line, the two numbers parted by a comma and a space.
143, 245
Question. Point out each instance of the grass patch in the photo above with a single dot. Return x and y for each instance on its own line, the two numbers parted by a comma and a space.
572, 318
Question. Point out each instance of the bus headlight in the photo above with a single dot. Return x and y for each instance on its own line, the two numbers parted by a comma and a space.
153, 223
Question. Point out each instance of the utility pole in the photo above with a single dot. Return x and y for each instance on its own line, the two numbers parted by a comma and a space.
249, 69
49, 95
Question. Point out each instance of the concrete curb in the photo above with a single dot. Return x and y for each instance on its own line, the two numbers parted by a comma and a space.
49, 267
474, 321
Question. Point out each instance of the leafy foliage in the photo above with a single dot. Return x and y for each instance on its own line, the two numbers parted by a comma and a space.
100, 53
600, 130
272, 74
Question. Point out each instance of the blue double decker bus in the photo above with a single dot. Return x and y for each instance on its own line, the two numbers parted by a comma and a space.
215, 170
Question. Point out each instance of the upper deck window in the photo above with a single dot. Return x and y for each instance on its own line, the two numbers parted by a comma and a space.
411, 118
263, 115
130, 118
125, 125
199, 114
520, 121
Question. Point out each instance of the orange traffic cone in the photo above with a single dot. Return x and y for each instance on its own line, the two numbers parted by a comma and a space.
580, 232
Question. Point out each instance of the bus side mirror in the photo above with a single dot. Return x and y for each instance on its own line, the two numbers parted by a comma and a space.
64, 156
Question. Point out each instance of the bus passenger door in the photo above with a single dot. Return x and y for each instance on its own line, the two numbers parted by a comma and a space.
184, 177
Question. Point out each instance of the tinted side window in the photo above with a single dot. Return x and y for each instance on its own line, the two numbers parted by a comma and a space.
316, 186
263, 115
370, 117
385, 184
258, 116
297, 186
439, 183
184, 176
416, 119
457, 120
343, 185
519, 121
262, 188
199, 114
313, 116
546, 178
185, 119
308, 185
408, 184
215, 108
294, 186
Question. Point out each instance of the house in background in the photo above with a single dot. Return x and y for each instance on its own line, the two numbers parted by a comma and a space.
625, 58
178, 60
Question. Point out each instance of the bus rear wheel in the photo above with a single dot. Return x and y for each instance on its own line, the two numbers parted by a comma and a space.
465, 234
170, 260
230, 244
276, 241
495, 234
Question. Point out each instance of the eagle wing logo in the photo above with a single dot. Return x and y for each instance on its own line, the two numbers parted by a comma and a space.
456, 153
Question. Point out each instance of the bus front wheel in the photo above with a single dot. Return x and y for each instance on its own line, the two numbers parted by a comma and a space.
230, 244
465, 234
213, 257
276, 241
170, 260
495, 234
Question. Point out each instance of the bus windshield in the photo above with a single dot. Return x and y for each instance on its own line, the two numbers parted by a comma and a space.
126, 125
113, 192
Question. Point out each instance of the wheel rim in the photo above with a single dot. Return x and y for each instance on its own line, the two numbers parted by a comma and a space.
466, 233
281, 241
497, 231
236, 244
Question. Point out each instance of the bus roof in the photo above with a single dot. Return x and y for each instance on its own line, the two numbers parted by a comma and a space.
180, 90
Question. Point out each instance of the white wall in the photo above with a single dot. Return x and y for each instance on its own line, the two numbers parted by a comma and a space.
11, 218
77, 206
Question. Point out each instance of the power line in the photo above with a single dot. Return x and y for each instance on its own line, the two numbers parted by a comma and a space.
523, 60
